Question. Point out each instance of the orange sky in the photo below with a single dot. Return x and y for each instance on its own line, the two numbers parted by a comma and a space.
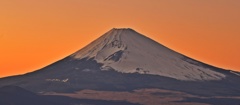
35, 33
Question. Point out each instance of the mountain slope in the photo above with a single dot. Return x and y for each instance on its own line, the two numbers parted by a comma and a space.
13, 95
127, 51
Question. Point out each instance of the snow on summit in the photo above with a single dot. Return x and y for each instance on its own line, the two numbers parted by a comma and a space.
127, 51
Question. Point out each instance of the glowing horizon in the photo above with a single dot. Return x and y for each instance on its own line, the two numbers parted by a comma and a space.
36, 33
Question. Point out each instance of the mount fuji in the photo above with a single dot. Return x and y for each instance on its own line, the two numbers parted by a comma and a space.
127, 51
123, 61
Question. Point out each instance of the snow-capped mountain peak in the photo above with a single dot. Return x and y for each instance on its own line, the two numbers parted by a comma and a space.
127, 51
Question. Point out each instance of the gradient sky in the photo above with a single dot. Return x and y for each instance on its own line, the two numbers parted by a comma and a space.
36, 33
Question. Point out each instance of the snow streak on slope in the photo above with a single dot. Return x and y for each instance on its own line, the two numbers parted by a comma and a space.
127, 51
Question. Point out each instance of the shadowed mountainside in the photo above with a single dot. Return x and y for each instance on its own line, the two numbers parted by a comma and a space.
13, 95
90, 76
